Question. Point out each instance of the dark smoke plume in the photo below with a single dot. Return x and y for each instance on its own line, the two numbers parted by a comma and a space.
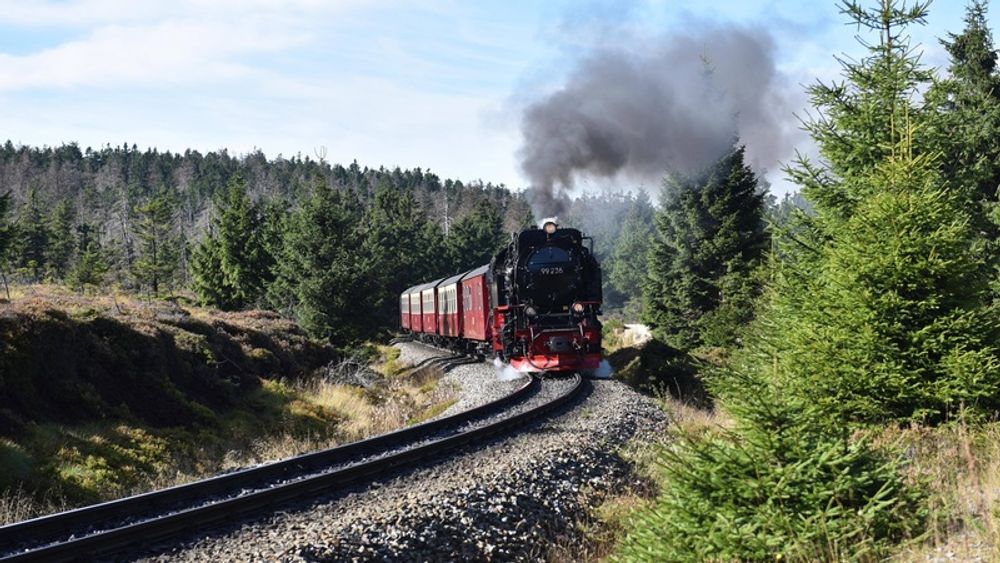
678, 103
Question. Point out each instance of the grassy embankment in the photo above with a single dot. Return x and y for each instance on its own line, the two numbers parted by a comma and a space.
959, 465
106, 396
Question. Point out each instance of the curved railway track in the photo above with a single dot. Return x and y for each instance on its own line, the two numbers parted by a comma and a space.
111, 527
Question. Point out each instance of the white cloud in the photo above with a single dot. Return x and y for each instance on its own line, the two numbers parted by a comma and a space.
143, 43
88, 13
164, 53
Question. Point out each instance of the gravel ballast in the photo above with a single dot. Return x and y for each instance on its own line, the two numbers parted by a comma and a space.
503, 500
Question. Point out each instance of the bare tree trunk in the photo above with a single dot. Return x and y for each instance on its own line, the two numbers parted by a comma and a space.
5, 286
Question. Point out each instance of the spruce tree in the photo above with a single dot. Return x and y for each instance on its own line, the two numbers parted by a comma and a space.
781, 485
6, 229
965, 124
435, 258
395, 247
476, 237
710, 241
157, 244
872, 312
6, 237
890, 321
61, 239
857, 120
322, 278
208, 279
32, 243
90, 266
967, 107
628, 257
234, 264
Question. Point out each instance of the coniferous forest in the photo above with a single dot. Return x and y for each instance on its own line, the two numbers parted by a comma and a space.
853, 343
248, 232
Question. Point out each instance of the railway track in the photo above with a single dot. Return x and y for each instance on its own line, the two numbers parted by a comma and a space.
112, 527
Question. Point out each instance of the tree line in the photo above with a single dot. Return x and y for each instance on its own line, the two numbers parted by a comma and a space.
221, 226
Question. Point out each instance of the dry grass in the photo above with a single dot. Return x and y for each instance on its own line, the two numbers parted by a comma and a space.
960, 464
361, 415
16, 505
694, 419
135, 309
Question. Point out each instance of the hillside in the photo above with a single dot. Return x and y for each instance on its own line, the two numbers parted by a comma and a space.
103, 396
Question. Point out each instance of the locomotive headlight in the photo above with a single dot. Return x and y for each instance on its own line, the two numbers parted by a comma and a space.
578, 308
530, 311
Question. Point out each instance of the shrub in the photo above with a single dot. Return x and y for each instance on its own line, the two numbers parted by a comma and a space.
783, 484
658, 368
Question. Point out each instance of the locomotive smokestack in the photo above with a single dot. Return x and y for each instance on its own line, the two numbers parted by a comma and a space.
550, 224
636, 112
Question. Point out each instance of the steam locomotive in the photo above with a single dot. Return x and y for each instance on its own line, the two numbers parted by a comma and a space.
535, 305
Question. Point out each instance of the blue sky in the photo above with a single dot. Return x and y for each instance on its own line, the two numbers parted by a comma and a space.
436, 84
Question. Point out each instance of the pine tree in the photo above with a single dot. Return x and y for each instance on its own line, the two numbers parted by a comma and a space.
476, 237
6, 237
158, 246
965, 124
782, 485
32, 243
61, 239
322, 279
395, 247
234, 264
628, 258
857, 121
90, 267
710, 240
208, 278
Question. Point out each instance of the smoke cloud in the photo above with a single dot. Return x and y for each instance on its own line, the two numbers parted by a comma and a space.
635, 112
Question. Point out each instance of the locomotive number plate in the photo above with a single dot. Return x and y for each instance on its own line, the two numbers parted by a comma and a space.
552, 271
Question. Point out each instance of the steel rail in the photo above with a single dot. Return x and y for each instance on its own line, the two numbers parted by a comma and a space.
148, 531
62, 524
